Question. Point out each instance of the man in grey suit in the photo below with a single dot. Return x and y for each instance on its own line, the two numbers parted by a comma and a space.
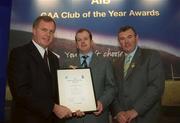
102, 75
140, 81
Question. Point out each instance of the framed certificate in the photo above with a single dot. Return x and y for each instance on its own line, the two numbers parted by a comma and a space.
76, 89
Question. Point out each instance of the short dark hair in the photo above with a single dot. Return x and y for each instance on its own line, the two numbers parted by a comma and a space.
127, 27
44, 18
82, 30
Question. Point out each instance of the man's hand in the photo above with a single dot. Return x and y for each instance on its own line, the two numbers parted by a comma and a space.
131, 114
121, 117
99, 108
62, 111
78, 113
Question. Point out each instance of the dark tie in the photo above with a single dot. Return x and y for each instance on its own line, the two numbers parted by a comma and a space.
46, 60
84, 63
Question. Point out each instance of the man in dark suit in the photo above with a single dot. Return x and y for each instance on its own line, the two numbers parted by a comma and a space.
32, 78
140, 79
102, 76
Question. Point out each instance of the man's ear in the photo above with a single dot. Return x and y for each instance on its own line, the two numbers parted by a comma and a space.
33, 31
77, 47
92, 43
137, 38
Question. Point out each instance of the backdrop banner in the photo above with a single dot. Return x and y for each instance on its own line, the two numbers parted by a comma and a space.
156, 21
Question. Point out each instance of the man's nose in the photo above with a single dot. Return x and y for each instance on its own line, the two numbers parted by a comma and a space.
126, 40
82, 41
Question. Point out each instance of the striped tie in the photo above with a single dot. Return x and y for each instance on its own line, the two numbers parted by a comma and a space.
126, 64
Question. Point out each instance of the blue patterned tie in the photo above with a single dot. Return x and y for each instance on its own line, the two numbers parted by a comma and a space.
84, 63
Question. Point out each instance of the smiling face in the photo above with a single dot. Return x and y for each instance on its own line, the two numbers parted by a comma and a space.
128, 40
83, 42
43, 33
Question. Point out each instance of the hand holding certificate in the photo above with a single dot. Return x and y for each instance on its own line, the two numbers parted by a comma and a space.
76, 89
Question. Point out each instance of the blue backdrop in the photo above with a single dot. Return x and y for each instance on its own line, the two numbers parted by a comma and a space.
5, 10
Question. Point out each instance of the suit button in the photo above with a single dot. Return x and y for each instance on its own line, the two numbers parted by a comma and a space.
126, 96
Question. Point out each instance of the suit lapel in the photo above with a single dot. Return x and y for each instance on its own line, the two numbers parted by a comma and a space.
52, 63
119, 68
38, 58
134, 63
77, 62
93, 60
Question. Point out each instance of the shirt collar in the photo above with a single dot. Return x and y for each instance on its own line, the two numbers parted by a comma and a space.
88, 60
87, 54
40, 49
132, 53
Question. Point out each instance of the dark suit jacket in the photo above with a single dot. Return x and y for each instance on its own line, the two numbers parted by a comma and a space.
103, 79
33, 86
142, 87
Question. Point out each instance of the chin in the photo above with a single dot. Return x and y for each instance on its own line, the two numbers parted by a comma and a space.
84, 51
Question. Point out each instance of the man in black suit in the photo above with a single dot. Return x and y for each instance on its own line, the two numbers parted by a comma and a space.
33, 81
140, 81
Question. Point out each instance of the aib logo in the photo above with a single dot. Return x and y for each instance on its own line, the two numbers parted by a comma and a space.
100, 1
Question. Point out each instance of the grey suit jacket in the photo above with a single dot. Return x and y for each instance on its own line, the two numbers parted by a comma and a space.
103, 79
142, 87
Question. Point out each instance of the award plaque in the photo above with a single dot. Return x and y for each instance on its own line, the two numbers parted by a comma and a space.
76, 89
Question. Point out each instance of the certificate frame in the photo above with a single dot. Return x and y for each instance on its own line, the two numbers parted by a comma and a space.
76, 89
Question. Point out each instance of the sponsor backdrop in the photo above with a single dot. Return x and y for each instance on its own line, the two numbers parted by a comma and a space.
156, 21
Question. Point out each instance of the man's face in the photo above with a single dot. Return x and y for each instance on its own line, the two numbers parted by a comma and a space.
83, 42
128, 40
43, 33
